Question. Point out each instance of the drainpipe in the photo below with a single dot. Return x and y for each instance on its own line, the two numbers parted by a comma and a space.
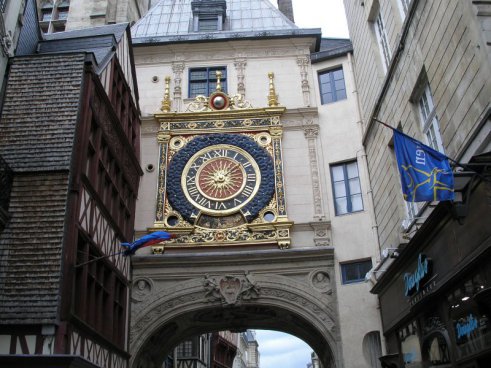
371, 207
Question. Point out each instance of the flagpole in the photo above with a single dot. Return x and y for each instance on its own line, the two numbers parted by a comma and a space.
456, 163
98, 258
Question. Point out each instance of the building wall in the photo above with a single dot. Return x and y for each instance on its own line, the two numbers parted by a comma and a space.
443, 42
340, 141
93, 13
9, 33
315, 137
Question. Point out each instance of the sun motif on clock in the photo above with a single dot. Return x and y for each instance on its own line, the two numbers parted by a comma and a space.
221, 178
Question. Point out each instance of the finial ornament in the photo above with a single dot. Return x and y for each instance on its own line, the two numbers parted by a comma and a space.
166, 101
272, 100
219, 84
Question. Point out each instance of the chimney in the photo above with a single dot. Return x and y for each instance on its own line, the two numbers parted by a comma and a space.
286, 7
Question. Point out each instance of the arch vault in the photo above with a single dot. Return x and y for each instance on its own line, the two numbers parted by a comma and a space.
176, 296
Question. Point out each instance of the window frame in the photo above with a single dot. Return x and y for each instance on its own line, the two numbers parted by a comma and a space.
382, 41
361, 276
404, 6
207, 80
348, 194
202, 20
429, 120
332, 83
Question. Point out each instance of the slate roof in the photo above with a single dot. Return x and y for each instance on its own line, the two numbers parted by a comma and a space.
40, 112
171, 21
100, 41
330, 48
37, 131
30, 249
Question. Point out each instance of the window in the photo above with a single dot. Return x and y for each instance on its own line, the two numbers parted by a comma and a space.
346, 188
185, 349
404, 7
382, 41
355, 271
429, 120
203, 81
53, 16
207, 24
331, 85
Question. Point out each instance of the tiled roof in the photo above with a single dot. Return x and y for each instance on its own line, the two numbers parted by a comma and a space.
332, 47
31, 249
171, 21
40, 112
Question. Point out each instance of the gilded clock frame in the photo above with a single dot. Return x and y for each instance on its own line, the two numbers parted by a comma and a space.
261, 124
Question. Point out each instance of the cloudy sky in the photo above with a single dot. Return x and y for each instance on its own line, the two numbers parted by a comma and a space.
279, 350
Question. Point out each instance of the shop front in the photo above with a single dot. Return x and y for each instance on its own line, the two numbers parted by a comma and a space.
435, 298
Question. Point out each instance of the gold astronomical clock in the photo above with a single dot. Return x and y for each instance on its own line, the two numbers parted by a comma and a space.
220, 177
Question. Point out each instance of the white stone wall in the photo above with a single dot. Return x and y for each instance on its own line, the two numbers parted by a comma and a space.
447, 40
93, 13
352, 234
315, 136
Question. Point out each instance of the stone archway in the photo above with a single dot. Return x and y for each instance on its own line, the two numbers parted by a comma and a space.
176, 296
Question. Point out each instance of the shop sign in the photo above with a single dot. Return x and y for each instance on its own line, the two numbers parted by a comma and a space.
413, 280
466, 328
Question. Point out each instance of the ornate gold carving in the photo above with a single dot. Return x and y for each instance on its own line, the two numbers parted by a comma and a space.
163, 137
263, 139
176, 143
166, 104
272, 98
219, 84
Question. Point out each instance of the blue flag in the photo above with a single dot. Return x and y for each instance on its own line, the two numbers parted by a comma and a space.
425, 173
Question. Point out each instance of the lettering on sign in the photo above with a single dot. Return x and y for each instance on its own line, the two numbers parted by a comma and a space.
413, 280
420, 157
466, 328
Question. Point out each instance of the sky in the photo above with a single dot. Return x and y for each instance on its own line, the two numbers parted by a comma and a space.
326, 14
277, 349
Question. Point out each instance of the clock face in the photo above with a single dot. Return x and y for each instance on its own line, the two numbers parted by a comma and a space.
217, 177
221, 179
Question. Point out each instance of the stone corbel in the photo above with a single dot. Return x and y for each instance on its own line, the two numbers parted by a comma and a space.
322, 233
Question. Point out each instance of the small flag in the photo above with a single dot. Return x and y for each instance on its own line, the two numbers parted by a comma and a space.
426, 174
145, 241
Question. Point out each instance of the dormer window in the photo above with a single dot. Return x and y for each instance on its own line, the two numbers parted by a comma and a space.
207, 24
208, 15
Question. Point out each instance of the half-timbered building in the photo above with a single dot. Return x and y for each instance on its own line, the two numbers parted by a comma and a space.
70, 135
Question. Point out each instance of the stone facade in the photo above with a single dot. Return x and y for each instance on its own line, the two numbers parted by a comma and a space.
439, 42
89, 13
314, 138
423, 67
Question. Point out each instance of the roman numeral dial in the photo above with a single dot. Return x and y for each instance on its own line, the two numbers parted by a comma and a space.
220, 179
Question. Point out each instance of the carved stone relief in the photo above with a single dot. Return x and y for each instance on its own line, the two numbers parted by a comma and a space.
304, 63
230, 289
177, 69
240, 65
311, 132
